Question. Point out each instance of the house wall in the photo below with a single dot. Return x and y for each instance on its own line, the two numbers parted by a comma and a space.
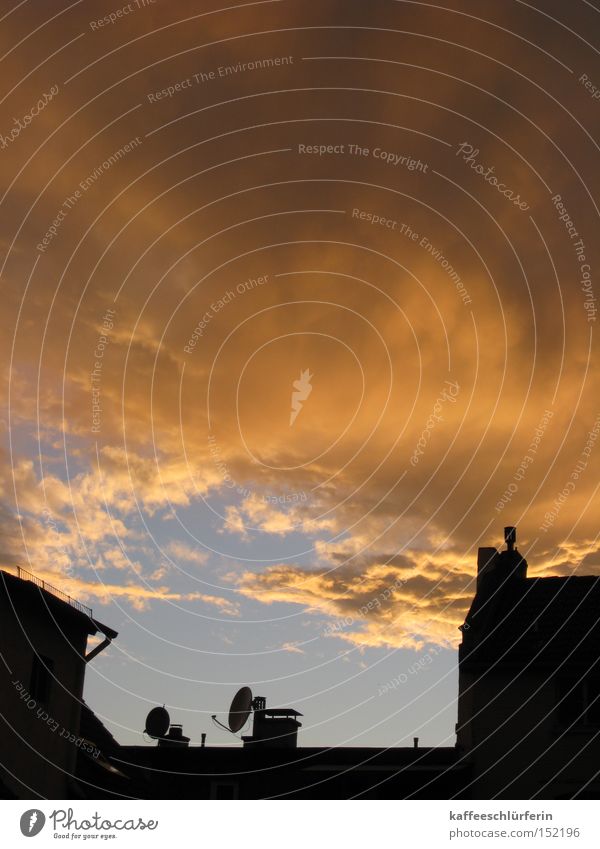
508, 724
35, 736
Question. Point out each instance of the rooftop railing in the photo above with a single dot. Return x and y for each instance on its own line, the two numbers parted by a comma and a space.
44, 585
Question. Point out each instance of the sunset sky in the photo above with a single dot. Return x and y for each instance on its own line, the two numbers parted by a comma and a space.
299, 309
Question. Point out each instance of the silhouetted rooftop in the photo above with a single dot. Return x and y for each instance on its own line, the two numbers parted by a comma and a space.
545, 620
92, 728
26, 594
303, 772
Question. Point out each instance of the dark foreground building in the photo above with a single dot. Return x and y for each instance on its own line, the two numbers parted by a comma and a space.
219, 772
529, 686
528, 711
43, 640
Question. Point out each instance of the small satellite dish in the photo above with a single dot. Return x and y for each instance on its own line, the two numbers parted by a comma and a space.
157, 722
240, 709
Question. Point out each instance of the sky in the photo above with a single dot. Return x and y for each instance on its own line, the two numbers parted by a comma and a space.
299, 309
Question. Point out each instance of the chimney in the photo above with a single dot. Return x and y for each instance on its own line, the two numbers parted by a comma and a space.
174, 739
415, 742
510, 537
487, 559
273, 727
495, 567
510, 563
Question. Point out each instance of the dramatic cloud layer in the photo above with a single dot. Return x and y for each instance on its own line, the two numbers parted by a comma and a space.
299, 304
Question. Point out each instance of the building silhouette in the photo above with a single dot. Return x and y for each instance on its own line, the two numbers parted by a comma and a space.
528, 710
529, 682
43, 639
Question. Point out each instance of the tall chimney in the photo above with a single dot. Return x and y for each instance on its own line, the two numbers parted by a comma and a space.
486, 564
494, 567
510, 563
510, 537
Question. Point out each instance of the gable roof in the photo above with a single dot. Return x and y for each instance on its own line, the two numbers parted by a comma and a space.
24, 594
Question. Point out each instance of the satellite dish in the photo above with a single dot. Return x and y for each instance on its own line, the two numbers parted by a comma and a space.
157, 722
240, 709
